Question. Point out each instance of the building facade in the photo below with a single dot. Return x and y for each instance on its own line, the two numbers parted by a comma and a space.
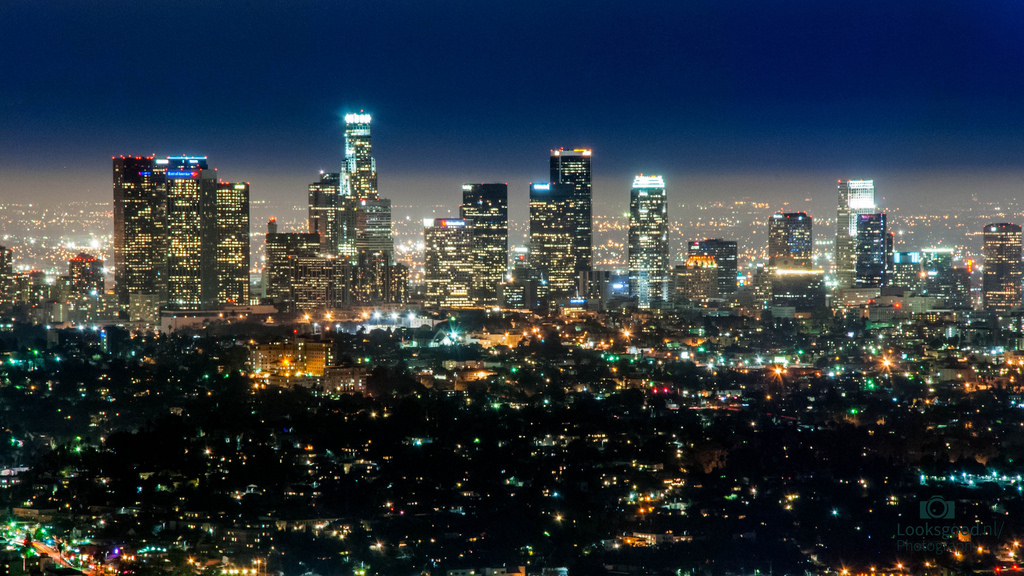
856, 197
573, 168
1001, 282
448, 267
552, 259
648, 241
790, 240
485, 210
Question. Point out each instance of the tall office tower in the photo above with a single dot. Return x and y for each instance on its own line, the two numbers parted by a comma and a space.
191, 232
361, 209
573, 167
281, 250
1001, 283
373, 229
696, 281
6, 274
872, 251
358, 170
140, 219
856, 197
449, 264
551, 239
790, 243
724, 252
648, 241
485, 210
232, 255
325, 211
85, 272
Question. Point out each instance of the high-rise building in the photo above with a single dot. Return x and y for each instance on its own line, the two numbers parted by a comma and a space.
448, 268
191, 232
856, 197
325, 211
373, 229
85, 273
363, 217
790, 241
6, 274
281, 250
358, 169
140, 219
873, 241
573, 168
724, 252
696, 282
648, 241
232, 225
485, 210
1001, 283
551, 239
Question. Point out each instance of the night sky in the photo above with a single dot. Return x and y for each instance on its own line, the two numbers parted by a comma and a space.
738, 98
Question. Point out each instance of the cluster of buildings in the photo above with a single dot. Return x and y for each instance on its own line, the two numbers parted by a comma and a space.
181, 249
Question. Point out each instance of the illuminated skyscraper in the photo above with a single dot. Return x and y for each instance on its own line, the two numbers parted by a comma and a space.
373, 229
6, 274
871, 251
325, 214
573, 168
85, 273
448, 265
181, 240
140, 219
282, 250
648, 241
551, 239
363, 218
232, 226
359, 169
485, 210
790, 240
856, 197
724, 252
1001, 284
191, 232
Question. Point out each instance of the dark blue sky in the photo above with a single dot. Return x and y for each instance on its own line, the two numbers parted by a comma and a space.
479, 91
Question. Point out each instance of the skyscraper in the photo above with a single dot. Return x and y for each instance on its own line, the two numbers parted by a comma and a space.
358, 169
181, 239
373, 230
86, 274
856, 197
325, 213
724, 252
648, 241
485, 210
551, 239
140, 218
573, 168
361, 207
1001, 283
871, 251
191, 232
232, 225
282, 250
790, 241
448, 268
